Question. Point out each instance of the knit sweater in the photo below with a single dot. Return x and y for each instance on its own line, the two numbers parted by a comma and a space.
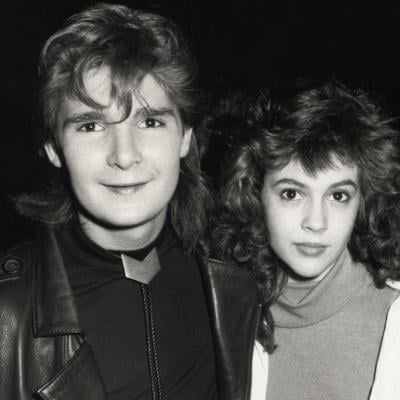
328, 336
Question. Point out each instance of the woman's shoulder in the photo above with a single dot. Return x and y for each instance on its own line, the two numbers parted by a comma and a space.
395, 287
259, 376
386, 384
393, 284
394, 310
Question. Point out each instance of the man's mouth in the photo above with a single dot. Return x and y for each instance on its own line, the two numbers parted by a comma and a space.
126, 189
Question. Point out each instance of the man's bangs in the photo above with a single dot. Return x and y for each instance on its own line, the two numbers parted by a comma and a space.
124, 84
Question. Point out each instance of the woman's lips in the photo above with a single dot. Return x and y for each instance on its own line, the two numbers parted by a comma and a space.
311, 249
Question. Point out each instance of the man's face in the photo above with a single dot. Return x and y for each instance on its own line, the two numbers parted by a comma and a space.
124, 173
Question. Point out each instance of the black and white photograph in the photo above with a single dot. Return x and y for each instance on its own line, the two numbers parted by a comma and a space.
200, 200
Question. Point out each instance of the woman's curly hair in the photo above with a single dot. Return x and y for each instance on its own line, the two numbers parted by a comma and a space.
314, 126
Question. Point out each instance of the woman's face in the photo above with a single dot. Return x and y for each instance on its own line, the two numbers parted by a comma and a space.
310, 218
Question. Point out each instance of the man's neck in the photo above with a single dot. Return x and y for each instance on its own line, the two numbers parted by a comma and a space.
123, 239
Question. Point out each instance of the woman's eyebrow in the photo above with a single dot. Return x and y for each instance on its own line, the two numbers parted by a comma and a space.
289, 181
345, 182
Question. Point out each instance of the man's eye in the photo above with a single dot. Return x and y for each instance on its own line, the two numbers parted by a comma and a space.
90, 127
150, 123
291, 194
339, 196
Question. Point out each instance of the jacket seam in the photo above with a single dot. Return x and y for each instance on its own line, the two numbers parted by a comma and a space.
34, 290
233, 267
59, 331
59, 376
251, 350
10, 251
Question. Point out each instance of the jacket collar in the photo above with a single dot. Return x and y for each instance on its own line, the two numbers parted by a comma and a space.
54, 311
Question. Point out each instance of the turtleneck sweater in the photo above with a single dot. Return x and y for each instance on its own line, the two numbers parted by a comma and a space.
150, 341
328, 335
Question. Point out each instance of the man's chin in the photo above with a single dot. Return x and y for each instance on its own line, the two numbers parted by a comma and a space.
124, 222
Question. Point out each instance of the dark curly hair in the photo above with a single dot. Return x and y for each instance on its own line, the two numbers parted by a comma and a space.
311, 126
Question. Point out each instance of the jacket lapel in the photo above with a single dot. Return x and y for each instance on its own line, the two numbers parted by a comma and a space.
54, 315
235, 310
54, 311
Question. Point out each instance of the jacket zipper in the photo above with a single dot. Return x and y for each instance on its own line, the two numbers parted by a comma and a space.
151, 344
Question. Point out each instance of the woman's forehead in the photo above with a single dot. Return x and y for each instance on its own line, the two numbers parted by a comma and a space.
335, 172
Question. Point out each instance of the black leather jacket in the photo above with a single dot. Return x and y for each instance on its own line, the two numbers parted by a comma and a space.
43, 354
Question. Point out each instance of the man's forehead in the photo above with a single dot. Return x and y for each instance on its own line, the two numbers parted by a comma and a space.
148, 98
145, 93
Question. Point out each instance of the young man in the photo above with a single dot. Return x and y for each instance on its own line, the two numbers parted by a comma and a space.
113, 298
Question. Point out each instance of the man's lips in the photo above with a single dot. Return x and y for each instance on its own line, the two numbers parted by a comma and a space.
310, 249
126, 188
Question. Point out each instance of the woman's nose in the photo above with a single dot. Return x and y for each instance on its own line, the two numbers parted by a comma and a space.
315, 217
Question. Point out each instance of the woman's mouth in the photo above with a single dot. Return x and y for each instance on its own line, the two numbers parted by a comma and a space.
311, 249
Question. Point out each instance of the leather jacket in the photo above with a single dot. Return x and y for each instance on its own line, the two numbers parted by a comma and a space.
43, 354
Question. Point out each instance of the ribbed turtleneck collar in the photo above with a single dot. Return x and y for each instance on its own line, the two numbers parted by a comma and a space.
328, 296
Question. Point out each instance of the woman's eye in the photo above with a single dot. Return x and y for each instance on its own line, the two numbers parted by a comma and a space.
339, 196
150, 123
290, 194
90, 127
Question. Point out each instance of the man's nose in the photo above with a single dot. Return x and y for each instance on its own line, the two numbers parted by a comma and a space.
124, 150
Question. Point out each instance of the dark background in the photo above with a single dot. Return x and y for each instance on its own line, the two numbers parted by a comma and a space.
237, 43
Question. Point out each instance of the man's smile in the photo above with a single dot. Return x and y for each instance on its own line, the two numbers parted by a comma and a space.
126, 189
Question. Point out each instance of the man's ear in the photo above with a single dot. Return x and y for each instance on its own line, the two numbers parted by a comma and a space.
52, 154
185, 145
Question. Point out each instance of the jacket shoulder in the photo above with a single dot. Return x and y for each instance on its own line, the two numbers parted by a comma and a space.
230, 275
16, 260
16, 278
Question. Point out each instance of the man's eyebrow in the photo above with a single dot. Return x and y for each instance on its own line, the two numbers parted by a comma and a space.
82, 117
153, 112
289, 181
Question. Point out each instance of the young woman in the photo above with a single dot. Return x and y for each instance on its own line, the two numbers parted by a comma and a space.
310, 202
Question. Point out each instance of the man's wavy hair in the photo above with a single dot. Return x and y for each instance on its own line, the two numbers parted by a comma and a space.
131, 44
312, 126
